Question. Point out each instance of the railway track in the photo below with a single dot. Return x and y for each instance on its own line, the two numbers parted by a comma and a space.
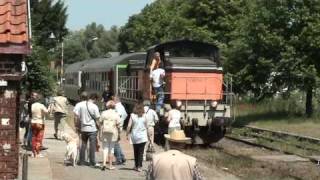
287, 143
252, 153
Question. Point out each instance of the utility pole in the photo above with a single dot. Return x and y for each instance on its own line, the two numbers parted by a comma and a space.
62, 63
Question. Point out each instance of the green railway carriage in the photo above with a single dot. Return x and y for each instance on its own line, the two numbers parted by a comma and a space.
93, 75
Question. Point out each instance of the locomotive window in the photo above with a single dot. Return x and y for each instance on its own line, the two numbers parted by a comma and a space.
191, 51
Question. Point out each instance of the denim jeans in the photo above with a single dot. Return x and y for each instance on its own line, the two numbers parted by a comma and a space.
92, 137
118, 153
28, 135
160, 97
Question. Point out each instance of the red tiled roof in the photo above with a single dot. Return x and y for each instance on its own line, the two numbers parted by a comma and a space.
13, 27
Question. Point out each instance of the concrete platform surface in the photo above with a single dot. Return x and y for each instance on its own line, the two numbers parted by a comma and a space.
51, 167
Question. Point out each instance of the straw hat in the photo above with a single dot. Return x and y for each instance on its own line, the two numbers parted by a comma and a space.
177, 136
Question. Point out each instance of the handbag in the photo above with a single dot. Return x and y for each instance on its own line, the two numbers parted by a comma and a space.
150, 152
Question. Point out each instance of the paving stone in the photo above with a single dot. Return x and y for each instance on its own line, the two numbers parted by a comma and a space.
51, 167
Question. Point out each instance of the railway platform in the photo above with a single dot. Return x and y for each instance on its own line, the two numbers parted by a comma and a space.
51, 166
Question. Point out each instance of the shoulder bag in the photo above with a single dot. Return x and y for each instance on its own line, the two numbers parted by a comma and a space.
92, 117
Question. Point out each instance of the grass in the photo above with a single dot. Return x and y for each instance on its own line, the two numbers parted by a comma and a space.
285, 144
279, 114
306, 127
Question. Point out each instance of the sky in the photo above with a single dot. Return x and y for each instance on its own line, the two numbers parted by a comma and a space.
105, 12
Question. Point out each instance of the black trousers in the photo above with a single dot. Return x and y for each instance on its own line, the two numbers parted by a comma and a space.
138, 150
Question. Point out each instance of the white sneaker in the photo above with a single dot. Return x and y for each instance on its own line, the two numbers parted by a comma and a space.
40, 156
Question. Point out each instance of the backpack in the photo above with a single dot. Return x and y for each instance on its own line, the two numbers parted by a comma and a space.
108, 126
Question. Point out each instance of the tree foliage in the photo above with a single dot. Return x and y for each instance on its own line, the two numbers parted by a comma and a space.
92, 42
277, 48
47, 17
268, 46
163, 20
39, 77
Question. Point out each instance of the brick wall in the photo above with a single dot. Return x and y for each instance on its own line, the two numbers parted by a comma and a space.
9, 132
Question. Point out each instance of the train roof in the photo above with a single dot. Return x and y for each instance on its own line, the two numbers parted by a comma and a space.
103, 64
185, 49
75, 67
181, 42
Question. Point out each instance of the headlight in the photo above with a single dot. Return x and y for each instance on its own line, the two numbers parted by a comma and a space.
214, 104
179, 104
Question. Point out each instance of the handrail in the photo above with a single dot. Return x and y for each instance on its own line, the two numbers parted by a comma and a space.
129, 77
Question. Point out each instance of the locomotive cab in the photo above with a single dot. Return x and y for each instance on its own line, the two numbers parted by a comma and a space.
194, 76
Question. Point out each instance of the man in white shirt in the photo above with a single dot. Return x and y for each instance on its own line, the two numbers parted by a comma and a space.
121, 110
152, 119
157, 77
120, 158
86, 114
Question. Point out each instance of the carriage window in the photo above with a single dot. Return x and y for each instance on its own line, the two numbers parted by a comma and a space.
100, 76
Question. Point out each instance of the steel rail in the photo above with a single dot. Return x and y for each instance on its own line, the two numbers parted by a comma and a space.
278, 134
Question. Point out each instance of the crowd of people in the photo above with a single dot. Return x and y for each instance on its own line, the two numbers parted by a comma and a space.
107, 126
104, 128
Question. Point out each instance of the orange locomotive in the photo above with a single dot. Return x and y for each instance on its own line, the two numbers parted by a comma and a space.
194, 76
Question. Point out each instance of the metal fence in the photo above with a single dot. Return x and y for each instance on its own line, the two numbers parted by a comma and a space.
128, 88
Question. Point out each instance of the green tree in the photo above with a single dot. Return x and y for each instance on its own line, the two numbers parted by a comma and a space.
277, 48
147, 28
47, 17
92, 42
163, 20
74, 51
39, 77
